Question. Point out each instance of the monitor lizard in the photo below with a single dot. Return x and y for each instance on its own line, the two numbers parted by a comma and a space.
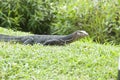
45, 39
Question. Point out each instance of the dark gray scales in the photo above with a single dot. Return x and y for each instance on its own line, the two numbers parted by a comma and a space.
45, 39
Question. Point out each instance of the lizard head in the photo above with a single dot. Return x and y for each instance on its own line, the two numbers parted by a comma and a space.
80, 34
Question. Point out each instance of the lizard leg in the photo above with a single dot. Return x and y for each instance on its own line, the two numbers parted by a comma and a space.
29, 40
54, 42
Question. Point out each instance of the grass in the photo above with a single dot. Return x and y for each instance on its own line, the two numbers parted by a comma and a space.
81, 60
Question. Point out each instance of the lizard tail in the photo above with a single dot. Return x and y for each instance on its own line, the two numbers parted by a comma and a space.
8, 38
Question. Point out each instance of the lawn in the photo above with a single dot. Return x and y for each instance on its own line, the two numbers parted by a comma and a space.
80, 60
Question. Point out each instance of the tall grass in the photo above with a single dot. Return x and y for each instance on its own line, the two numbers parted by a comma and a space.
100, 19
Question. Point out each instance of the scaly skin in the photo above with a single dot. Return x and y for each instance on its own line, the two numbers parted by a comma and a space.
46, 39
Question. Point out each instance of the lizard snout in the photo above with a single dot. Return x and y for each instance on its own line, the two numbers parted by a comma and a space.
82, 33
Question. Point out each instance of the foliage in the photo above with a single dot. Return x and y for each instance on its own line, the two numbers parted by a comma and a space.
100, 19
81, 60
26, 15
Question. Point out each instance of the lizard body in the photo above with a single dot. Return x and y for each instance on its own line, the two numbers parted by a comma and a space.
45, 39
